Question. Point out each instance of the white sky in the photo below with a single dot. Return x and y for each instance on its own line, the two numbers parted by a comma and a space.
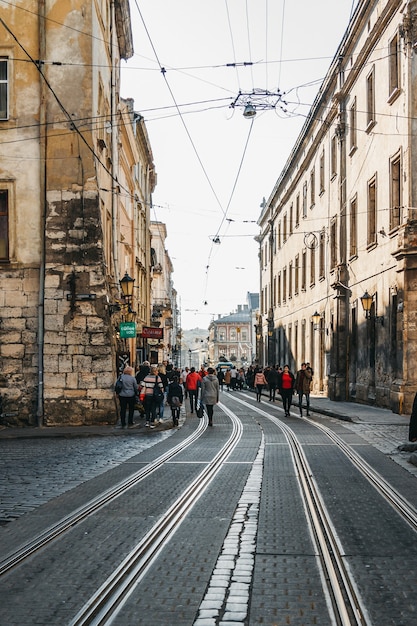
214, 166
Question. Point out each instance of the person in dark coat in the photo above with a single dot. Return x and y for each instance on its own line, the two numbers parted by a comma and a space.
412, 431
272, 377
175, 398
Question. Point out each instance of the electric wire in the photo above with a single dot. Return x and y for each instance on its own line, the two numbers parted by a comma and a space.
232, 42
179, 111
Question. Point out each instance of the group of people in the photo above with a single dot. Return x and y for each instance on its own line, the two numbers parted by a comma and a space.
283, 380
157, 385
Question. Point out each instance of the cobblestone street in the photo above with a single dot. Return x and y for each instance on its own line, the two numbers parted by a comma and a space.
33, 471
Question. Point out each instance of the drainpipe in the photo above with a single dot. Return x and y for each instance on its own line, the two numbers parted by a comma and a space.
42, 201
114, 150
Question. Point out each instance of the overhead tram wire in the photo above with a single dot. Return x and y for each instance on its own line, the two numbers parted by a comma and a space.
249, 44
179, 112
282, 44
216, 236
233, 43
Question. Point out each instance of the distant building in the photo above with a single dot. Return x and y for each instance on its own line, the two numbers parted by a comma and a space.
231, 337
164, 313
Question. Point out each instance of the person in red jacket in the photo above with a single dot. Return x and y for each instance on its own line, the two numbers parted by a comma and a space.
286, 388
193, 383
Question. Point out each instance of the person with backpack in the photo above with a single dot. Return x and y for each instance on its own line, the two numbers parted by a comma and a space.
126, 388
154, 391
175, 397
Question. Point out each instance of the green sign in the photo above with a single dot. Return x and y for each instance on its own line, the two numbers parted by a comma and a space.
127, 330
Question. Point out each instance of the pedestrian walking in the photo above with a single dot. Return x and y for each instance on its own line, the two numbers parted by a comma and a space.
193, 383
272, 379
153, 387
210, 393
227, 378
127, 396
220, 378
303, 386
260, 382
160, 409
175, 398
144, 370
286, 388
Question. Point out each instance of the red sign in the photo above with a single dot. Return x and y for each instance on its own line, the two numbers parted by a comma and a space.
148, 332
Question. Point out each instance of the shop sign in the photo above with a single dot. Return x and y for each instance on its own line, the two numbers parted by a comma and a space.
149, 332
127, 330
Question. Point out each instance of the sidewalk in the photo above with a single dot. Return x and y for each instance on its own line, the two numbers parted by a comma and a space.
357, 413
346, 411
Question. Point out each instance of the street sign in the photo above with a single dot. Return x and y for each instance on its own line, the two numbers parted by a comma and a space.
127, 330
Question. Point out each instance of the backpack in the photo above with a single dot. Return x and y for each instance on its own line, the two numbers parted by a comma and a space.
157, 391
119, 385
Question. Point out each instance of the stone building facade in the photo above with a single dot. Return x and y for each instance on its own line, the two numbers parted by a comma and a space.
76, 174
232, 337
164, 310
341, 221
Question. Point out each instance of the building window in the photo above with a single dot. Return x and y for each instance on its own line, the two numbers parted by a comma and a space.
353, 128
279, 236
322, 172
290, 270
312, 188
285, 228
370, 101
395, 192
4, 89
275, 292
333, 244
297, 211
372, 211
284, 285
322, 253
296, 275
394, 68
222, 335
4, 225
233, 335
353, 227
303, 270
291, 219
244, 335
305, 200
279, 289
333, 156
312, 266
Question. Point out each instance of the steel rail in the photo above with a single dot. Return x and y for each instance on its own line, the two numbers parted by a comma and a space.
345, 599
93, 505
395, 499
107, 601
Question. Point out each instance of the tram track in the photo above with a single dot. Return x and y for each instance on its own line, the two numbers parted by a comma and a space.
103, 606
89, 508
348, 609
107, 599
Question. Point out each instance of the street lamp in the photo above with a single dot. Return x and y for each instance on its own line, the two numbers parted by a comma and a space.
126, 284
367, 301
315, 318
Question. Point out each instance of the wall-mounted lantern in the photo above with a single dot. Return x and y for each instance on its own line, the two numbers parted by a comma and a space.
367, 302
